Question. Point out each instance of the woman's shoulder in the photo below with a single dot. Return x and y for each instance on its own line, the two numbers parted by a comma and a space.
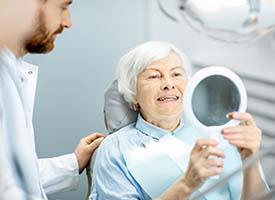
120, 138
122, 133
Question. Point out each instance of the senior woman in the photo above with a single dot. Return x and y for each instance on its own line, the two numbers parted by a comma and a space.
158, 156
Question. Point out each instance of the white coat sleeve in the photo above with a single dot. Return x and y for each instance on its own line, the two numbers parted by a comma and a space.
59, 174
8, 186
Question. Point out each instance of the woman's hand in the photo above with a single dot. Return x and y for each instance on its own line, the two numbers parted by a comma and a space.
247, 136
201, 165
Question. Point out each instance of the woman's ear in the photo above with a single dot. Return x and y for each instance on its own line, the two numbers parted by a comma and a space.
135, 105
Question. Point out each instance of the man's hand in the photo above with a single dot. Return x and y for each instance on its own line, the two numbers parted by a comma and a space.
86, 148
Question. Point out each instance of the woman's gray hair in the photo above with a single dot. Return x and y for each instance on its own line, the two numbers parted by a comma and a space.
136, 60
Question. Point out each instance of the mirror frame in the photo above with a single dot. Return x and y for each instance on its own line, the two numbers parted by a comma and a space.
189, 116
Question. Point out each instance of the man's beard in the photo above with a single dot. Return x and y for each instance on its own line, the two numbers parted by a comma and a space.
42, 41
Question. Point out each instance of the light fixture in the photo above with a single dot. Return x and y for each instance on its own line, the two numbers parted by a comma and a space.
226, 20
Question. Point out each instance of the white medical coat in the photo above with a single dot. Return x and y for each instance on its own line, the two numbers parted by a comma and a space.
22, 175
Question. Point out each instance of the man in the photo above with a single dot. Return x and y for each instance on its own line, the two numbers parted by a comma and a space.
22, 176
15, 23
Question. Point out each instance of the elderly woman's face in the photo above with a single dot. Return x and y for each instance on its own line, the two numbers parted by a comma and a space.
160, 89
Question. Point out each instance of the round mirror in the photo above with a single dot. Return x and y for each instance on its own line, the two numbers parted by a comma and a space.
211, 94
213, 98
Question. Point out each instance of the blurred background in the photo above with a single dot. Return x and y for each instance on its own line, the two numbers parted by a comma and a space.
73, 78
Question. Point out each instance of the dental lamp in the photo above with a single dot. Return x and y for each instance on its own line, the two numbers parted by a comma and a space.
231, 21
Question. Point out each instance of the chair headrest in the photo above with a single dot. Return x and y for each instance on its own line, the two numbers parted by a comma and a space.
117, 112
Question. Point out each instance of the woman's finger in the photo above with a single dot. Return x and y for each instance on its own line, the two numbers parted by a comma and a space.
241, 129
253, 145
245, 117
203, 143
236, 129
214, 162
240, 136
211, 171
212, 151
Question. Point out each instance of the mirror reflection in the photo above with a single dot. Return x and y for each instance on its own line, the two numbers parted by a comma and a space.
213, 98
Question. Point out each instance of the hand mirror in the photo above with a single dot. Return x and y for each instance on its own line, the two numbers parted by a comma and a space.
210, 95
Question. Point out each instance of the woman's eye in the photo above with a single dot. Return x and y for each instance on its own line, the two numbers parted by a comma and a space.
154, 76
177, 74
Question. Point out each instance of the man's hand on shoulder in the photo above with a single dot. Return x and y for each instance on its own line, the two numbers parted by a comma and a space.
86, 148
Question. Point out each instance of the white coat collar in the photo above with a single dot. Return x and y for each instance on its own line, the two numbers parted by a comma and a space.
24, 76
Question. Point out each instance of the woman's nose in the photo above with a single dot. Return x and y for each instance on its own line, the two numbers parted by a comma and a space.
167, 84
